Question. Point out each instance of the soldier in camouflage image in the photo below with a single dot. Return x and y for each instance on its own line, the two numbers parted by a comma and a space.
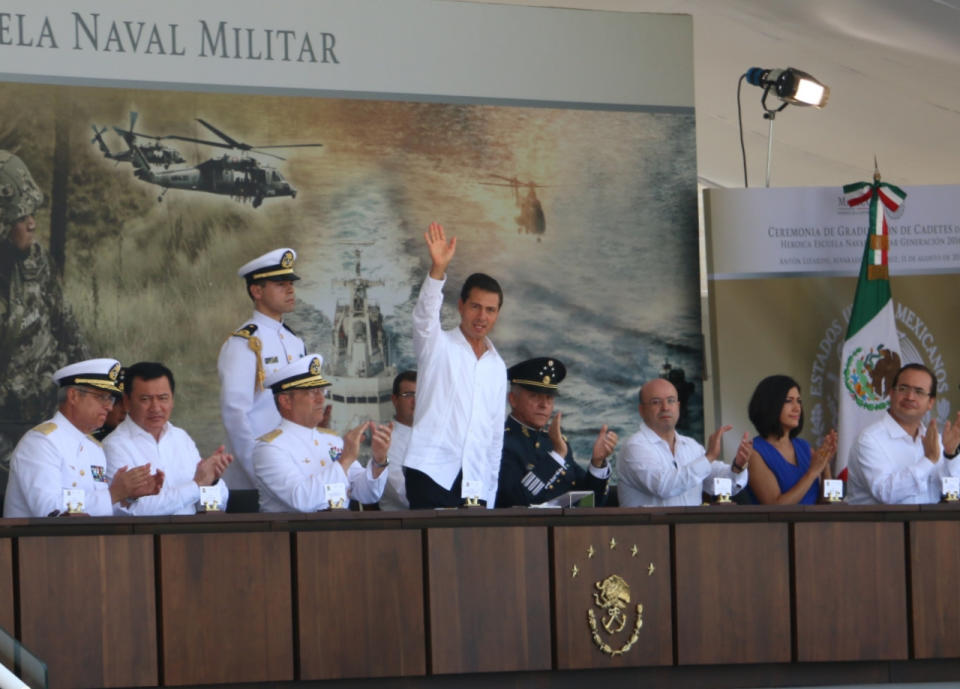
38, 332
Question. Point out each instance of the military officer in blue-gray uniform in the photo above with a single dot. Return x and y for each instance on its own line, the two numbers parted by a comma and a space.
60, 454
38, 333
263, 345
538, 463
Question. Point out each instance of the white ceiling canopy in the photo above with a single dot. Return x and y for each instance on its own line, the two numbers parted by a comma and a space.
893, 68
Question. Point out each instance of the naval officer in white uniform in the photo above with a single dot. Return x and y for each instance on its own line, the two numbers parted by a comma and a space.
59, 454
301, 467
261, 346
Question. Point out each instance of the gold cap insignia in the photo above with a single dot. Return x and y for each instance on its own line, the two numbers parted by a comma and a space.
114, 372
315, 367
546, 379
287, 260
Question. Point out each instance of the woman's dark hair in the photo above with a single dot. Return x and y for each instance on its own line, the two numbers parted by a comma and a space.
766, 405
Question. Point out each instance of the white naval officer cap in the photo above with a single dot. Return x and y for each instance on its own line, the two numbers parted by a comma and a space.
103, 374
273, 265
301, 374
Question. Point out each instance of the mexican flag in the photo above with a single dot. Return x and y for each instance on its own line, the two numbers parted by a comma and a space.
871, 349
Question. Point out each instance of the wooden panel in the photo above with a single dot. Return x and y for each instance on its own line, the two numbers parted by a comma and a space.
934, 572
489, 599
87, 608
6, 585
360, 600
226, 608
732, 593
851, 594
583, 559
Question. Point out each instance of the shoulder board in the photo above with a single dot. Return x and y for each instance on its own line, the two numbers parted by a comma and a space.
246, 332
90, 436
45, 428
271, 436
290, 329
321, 429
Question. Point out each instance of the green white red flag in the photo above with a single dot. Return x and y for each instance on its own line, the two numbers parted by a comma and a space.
871, 349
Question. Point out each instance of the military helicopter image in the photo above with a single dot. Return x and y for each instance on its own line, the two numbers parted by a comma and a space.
531, 219
155, 153
242, 177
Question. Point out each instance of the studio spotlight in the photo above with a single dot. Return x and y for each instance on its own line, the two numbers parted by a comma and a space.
790, 85
793, 87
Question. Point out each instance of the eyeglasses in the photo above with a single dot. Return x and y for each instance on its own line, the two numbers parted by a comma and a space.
104, 398
904, 389
407, 395
662, 402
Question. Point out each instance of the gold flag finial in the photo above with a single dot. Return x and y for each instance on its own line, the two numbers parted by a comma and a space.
876, 169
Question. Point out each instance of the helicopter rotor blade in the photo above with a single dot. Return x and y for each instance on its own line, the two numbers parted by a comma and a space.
287, 146
133, 120
191, 139
233, 142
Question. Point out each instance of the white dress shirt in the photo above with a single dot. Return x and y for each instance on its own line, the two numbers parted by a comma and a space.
653, 476
49, 458
175, 454
395, 493
294, 466
247, 412
461, 401
888, 467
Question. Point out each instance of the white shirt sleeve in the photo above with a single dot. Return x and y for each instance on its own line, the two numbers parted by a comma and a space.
719, 469
237, 367
426, 317
889, 482
364, 488
35, 466
644, 465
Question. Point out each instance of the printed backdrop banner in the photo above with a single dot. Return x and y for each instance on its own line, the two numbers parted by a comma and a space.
557, 145
782, 267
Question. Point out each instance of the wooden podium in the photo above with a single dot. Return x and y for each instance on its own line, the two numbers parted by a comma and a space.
723, 595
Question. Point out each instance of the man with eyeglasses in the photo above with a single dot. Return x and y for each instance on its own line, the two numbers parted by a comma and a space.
302, 467
146, 437
404, 400
898, 460
60, 455
538, 463
660, 467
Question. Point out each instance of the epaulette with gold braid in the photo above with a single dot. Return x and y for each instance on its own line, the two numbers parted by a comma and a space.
45, 428
271, 436
246, 332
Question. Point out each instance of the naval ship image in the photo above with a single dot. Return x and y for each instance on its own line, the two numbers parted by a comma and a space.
360, 368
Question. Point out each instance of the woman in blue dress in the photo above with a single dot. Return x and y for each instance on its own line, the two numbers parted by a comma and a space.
783, 469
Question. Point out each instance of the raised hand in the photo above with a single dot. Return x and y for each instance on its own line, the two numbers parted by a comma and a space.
556, 435
603, 446
351, 445
742, 459
441, 250
951, 435
821, 456
715, 442
134, 483
380, 441
931, 442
